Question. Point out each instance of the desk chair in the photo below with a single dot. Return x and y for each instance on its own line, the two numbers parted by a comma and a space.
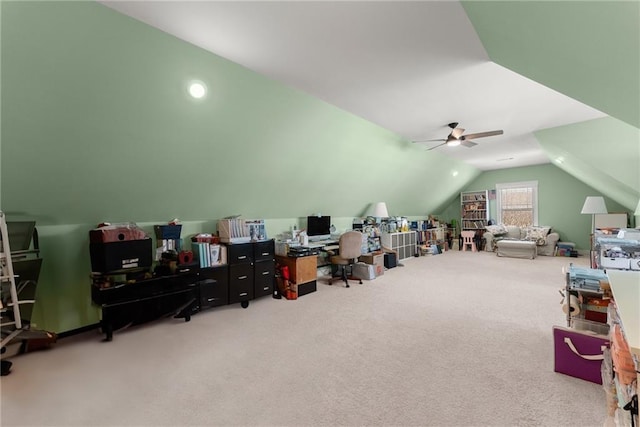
349, 249
468, 239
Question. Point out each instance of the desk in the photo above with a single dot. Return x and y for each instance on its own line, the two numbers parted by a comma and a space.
625, 286
322, 244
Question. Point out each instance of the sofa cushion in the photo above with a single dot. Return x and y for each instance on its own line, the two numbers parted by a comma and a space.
513, 232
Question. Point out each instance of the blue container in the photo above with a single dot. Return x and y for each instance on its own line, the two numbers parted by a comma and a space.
167, 232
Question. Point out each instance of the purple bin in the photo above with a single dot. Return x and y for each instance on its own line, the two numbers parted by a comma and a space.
579, 353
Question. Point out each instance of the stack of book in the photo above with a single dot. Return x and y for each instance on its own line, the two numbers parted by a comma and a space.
207, 254
236, 230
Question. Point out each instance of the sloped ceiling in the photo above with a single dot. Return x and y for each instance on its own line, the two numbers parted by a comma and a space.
603, 153
589, 51
410, 67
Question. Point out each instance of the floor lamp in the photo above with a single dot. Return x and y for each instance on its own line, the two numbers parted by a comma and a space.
594, 205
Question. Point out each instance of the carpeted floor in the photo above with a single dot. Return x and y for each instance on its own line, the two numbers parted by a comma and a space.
458, 339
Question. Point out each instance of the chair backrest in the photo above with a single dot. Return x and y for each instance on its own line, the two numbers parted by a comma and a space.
468, 236
350, 245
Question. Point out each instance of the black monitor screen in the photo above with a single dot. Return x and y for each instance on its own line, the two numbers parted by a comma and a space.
318, 225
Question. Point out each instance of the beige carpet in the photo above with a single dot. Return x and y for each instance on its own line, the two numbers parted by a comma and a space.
458, 339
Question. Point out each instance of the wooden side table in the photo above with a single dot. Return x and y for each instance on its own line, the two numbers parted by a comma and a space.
303, 271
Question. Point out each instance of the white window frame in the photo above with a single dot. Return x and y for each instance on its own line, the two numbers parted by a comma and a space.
522, 184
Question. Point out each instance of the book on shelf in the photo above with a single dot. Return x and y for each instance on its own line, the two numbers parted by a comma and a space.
238, 230
208, 254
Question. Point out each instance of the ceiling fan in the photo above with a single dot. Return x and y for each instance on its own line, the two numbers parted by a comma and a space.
456, 137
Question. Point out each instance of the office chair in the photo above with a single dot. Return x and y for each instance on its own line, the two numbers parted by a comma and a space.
349, 249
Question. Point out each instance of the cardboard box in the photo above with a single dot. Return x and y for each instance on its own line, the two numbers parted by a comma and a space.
376, 259
117, 233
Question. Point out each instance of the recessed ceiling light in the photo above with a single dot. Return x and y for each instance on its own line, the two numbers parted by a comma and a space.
560, 160
454, 173
197, 89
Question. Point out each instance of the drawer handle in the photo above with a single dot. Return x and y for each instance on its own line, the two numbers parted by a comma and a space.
264, 273
242, 277
266, 288
244, 294
242, 257
265, 253
210, 299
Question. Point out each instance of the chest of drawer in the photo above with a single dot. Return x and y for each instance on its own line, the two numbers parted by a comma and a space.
263, 251
264, 278
240, 253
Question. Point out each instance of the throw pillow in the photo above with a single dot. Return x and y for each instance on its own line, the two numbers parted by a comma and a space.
496, 230
537, 234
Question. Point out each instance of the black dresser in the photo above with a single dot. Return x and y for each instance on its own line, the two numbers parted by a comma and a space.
213, 287
145, 299
251, 270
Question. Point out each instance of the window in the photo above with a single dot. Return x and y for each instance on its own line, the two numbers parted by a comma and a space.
517, 203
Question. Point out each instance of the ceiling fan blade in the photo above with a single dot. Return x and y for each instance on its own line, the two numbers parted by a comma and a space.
430, 140
467, 143
457, 133
483, 134
439, 145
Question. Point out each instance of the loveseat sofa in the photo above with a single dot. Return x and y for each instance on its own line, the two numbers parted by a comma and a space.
544, 238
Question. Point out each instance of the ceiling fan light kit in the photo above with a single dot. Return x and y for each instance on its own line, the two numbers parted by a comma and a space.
456, 137
453, 143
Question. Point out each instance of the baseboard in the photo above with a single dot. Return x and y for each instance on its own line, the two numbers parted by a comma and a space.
77, 331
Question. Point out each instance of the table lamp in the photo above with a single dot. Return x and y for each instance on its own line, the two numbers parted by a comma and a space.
380, 210
594, 205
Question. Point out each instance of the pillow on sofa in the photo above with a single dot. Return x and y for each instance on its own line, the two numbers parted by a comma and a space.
537, 234
496, 230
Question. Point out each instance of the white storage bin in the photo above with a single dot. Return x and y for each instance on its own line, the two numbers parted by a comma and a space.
619, 263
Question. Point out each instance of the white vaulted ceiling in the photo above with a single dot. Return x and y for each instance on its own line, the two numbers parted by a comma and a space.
410, 67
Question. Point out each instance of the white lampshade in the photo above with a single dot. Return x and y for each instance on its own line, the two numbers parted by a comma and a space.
380, 210
594, 205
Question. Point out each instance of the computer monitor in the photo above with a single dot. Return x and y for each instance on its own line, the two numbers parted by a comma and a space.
318, 227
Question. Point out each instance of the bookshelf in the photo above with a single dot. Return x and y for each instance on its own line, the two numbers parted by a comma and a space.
402, 242
474, 208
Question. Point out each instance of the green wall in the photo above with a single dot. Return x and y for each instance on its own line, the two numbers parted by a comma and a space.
97, 126
560, 199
